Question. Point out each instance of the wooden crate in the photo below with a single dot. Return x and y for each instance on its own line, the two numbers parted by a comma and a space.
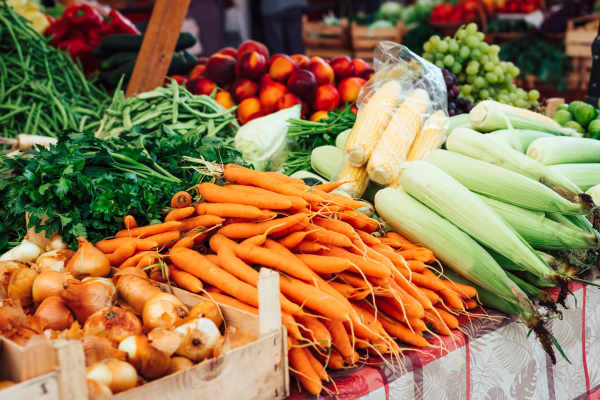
579, 77
259, 370
364, 40
581, 32
325, 40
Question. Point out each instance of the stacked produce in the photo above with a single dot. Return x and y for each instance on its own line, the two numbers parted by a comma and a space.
518, 6
580, 116
481, 74
260, 84
456, 105
464, 10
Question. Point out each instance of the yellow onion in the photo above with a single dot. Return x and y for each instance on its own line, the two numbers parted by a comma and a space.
21, 284
135, 288
179, 364
54, 314
113, 323
26, 251
98, 390
201, 337
88, 261
207, 309
6, 270
88, 296
96, 348
116, 374
54, 260
56, 243
163, 310
165, 340
148, 360
11, 315
49, 283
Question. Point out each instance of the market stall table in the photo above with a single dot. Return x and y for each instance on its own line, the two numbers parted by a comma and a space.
491, 359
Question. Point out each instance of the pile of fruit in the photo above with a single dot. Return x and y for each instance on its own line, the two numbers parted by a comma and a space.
518, 6
447, 13
580, 116
261, 84
480, 72
456, 105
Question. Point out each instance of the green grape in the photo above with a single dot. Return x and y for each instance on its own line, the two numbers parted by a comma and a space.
491, 77
503, 98
488, 66
498, 71
440, 64
448, 60
461, 34
472, 69
479, 82
442, 46
484, 59
534, 95
470, 98
464, 52
456, 68
427, 46
480, 36
513, 96
494, 49
461, 77
472, 42
494, 58
428, 56
483, 47
535, 104
466, 89
521, 103
471, 28
475, 54
484, 94
453, 46
521, 93
435, 39
470, 78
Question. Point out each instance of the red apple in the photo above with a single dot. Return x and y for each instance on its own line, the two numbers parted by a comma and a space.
327, 98
323, 71
253, 45
281, 67
244, 88
303, 84
220, 68
349, 89
342, 67
251, 65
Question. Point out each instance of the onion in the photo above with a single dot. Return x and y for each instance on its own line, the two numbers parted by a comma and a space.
165, 340
11, 315
207, 309
5, 384
6, 270
26, 251
201, 338
163, 310
135, 288
54, 314
54, 260
116, 374
179, 364
21, 284
56, 243
98, 390
88, 261
148, 360
113, 323
96, 348
21, 335
88, 296
49, 283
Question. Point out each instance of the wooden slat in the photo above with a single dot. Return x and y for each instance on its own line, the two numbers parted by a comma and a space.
159, 43
269, 308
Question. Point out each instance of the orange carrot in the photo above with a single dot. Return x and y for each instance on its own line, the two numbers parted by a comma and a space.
452, 299
335, 225
325, 264
110, 245
465, 291
293, 239
392, 307
394, 257
223, 194
303, 369
437, 323
401, 240
369, 239
317, 332
264, 256
149, 230
329, 186
243, 230
359, 221
298, 203
470, 304
335, 360
412, 290
328, 237
431, 295
287, 179
429, 282
416, 266
339, 338
316, 364
418, 253
366, 265
129, 222
353, 280
134, 259
177, 214
230, 210
185, 280
181, 199
147, 260
342, 201
121, 254
200, 221
450, 320
398, 330
166, 238
186, 241
309, 246
345, 289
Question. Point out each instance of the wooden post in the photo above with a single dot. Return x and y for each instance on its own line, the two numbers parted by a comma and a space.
158, 46
269, 314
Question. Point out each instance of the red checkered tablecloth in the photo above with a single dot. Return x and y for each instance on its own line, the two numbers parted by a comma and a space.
491, 359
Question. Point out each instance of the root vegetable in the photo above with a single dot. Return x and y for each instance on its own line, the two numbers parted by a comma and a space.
163, 310
54, 260
88, 261
148, 360
88, 296
96, 349
179, 364
207, 309
11, 315
26, 251
98, 390
21, 284
54, 314
201, 338
116, 374
113, 323
49, 283
165, 340
135, 288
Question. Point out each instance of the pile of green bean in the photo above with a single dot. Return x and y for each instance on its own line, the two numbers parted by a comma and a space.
42, 91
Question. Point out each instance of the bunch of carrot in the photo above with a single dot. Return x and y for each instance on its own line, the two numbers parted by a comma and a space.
344, 286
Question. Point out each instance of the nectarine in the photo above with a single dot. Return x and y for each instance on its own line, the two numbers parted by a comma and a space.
249, 109
244, 88
326, 98
220, 68
251, 65
253, 45
349, 89
303, 84
201, 86
281, 67
270, 94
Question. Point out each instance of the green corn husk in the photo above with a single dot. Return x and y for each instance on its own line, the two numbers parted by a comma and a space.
519, 139
446, 196
594, 191
451, 245
541, 232
459, 121
489, 149
585, 175
564, 150
326, 161
502, 184
489, 115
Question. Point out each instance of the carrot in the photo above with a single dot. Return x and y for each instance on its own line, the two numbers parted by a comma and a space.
418, 253
416, 266
353, 280
335, 360
129, 222
149, 230
317, 332
329, 186
437, 323
243, 230
343, 201
185, 280
429, 282
110, 245
431, 295
177, 214
412, 290
134, 259
401, 240
147, 260
166, 238
398, 330
198, 265
181, 199
309, 246
223, 194
392, 306
263, 256
186, 241
298, 203
470, 304
346, 290
230, 210
293, 239
303, 369
335, 225
394, 257
156, 275
328, 237
365, 325
452, 299
121, 254
369, 239
325, 264
359, 221
465, 291
339, 338
203, 221
366, 265
288, 179
316, 364
450, 320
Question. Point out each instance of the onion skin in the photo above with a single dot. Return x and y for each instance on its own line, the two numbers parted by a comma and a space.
49, 283
148, 360
21, 285
201, 338
165, 340
207, 309
6, 270
116, 374
135, 288
98, 390
96, 349
12, 315
54, 314
163, 310
88, 296
88, 261
26, 251
179, 364
113, 323
55, 260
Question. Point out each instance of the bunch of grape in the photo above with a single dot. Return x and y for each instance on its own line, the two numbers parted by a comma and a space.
481, 75
456, 105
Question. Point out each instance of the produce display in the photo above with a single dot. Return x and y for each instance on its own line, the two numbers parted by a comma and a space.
481, 74
580, 116
31, 11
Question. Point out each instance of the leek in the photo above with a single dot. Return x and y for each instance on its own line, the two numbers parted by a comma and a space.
446, 196
519, 139
489, 149
564, 150
583, 175
502, 184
